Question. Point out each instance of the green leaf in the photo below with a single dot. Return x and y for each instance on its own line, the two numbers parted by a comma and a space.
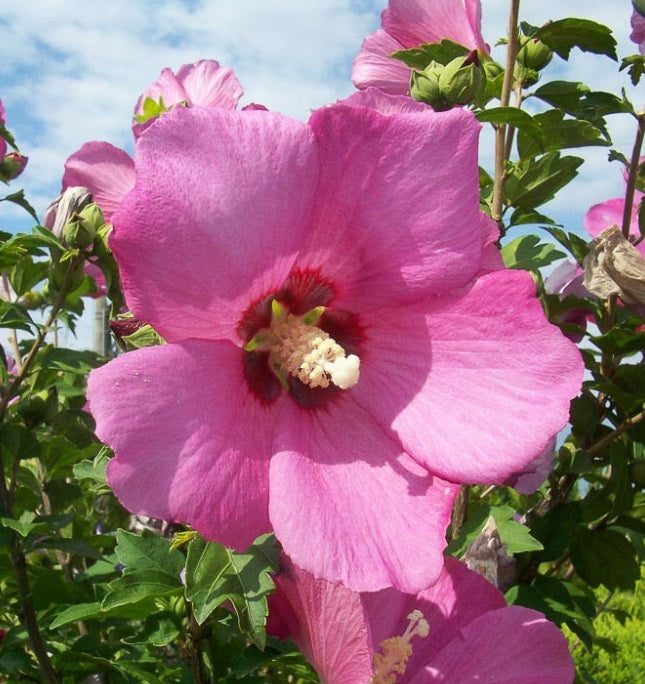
26, 274
19, 199
513, 116
39, 237
528, 253
148, 551
555, 528
469, 531
522, 217
564, 34
517, 537
152, 569
80, 611
139, 585
94, 469
604, 556
559, 133
15, 316
78, 547
30, 523
635, 65
145, 336
68, 360
159, 630
420, 57
6, 135
584, 415
574, 243
532, 182
579, 100
620, 480
215, 574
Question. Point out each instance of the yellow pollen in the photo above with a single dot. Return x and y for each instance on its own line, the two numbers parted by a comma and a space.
310, 354
397, 650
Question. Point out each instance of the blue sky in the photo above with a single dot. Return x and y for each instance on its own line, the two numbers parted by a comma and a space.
72, 70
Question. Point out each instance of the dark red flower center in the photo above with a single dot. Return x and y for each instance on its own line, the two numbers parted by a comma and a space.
303, 291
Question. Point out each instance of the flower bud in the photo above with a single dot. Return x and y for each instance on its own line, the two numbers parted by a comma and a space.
12, 165
424, 86
534, 54
31, 299
63, 208
81, 230
461, 81
78, 234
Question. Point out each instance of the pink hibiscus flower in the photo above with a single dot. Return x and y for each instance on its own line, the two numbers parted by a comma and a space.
610, 212
277, 257
410, 23
638, 30
459, 630
108, 171
204, 83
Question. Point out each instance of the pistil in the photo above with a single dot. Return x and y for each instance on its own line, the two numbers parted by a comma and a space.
299, 348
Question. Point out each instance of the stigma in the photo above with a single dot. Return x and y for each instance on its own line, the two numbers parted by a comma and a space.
297, 347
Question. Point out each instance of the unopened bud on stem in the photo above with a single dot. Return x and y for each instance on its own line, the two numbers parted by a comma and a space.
63, 208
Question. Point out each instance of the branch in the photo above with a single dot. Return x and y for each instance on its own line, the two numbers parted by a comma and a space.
633, 173
500, 131
623, 427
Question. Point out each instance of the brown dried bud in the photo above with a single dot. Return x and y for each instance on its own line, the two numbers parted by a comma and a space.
487, 556
615, 267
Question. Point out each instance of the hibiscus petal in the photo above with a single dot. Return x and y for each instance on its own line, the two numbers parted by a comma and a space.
373, 65
414, 22
107, 171
168, 87
603, 215
325, 620
190, 441
610, 212
384, 233
210, 85
215, 218
458, 597
385, 103
491, 256
511, 645
638, 30
347, 505
474, 383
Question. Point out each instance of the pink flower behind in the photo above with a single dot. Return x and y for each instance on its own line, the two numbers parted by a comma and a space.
610, 212
275, 257
410, 23
459, 630
108, 171
204, 83
638, 30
